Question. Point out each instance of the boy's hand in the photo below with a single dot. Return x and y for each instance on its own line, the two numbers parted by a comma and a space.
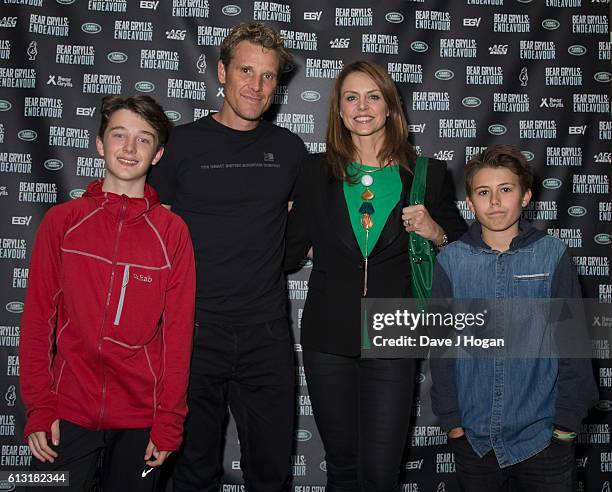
153, 452
456, 432
37, 441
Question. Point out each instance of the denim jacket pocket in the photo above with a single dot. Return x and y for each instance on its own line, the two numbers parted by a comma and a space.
533, 285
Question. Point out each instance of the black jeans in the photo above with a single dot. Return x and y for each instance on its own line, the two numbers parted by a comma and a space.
252, 369
551, 470
362, 409
123, 466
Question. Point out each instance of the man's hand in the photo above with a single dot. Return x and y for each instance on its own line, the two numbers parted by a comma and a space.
153, 452
456, 432
37, 441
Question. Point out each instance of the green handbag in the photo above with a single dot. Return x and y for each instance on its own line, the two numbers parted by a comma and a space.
422, 252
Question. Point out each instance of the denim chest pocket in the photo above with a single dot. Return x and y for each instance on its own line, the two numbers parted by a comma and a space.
532, 285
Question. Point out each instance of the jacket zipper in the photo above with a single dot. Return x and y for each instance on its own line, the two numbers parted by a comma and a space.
108, 297
124, 283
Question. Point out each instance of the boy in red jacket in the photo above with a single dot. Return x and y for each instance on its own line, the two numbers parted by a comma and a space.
107, 329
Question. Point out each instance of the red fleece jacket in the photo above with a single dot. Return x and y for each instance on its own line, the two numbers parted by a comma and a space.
108, 323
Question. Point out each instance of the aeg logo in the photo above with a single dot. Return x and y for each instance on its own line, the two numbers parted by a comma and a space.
498, 49
176, 34
340, 43
445, 155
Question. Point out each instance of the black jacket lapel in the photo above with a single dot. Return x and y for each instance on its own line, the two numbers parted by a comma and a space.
339, 217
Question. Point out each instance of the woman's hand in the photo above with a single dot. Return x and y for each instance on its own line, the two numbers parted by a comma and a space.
417, 219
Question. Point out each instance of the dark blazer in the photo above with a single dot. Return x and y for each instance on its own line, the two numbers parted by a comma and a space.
319, 218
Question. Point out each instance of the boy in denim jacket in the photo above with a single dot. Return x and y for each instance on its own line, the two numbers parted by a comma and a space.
511, 422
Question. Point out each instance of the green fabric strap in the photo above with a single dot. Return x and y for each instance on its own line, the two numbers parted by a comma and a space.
422, 253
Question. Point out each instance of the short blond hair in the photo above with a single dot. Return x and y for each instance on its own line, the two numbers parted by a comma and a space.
256, 33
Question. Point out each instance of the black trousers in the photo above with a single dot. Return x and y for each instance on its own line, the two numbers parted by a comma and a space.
362, 409
252, 369
123, 465
551, 470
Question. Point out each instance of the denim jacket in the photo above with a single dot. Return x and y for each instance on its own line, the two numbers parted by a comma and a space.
509, 405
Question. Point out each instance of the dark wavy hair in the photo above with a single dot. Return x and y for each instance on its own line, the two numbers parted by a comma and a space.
144, 106
340, 147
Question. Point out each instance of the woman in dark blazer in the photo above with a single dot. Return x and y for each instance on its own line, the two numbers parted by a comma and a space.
361, 406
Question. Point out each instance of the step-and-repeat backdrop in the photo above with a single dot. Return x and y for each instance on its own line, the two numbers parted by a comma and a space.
471, 73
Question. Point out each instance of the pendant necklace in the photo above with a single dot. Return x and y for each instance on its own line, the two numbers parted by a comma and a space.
366, 210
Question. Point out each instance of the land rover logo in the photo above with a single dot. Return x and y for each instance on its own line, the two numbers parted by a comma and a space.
5, 105
420, 378
527, 155
173, 115
551, 183
604, 405
144, 86
576, 50
288, 67
303, 435
576, 211
15, 307
53, 164
117, 57
394, 17
310, 96
444, 74
523, 1
91, 28
471, 102
419, 46
76, 193
231, 10
323, 465
603, 77
65, 2
6, 486
603, 239
27, 135
551, 24
497, 129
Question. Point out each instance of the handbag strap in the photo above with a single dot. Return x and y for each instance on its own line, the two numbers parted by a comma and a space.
419, 181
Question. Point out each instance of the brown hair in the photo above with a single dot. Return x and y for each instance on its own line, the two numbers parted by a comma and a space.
259, 34
340, 147
500, 155
144, 106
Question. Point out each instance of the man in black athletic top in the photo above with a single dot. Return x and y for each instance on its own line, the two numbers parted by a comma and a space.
229, 176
